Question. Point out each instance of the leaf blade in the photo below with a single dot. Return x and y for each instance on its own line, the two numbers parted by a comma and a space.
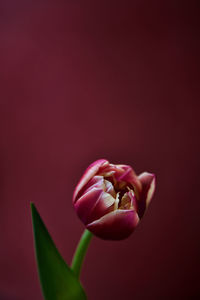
57, 280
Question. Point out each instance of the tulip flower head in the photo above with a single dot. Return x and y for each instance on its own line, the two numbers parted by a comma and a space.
111, 199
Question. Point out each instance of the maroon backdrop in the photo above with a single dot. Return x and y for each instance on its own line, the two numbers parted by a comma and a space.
82, 80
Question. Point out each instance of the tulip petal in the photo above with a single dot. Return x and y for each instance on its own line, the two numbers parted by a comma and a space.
86, 203
109, 188
109, 169
130, 177
148, 187
128, 201
95, 182
102, 207
89, 173
116, 225
93, 205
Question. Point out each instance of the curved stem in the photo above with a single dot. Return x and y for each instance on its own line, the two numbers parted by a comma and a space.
80, 252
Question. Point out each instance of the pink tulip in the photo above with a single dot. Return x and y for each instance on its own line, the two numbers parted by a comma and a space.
111, 199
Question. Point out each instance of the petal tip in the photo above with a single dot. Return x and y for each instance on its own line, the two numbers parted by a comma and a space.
88, 174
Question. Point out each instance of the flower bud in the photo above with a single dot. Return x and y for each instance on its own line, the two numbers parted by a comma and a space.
111, 199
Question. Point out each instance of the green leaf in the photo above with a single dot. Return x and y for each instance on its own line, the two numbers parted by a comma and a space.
57, 280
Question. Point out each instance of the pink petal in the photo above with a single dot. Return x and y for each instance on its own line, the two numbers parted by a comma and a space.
130, 177
86, 203
89, 173
96, 181
103, 206
109, 168
116, 225
148, 187
93, 205
109, 188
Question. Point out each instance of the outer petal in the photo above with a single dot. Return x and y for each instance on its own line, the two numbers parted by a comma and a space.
86, 203
94, 182
116, 225
103, 206
99, 182
93, 205
148, 187
89, 173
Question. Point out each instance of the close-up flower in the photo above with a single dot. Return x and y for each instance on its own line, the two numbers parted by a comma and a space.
111, 199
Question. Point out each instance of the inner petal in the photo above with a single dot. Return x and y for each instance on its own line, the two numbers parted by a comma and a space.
109, 188
128, 201
125, 202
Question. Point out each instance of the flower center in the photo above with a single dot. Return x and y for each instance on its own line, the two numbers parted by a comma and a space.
123, 193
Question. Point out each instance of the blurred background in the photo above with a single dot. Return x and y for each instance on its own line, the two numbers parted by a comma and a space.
82, 80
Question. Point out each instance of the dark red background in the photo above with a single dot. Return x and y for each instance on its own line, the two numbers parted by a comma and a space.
82, 80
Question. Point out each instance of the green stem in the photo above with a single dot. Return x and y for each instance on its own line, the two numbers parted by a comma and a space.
80, 252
